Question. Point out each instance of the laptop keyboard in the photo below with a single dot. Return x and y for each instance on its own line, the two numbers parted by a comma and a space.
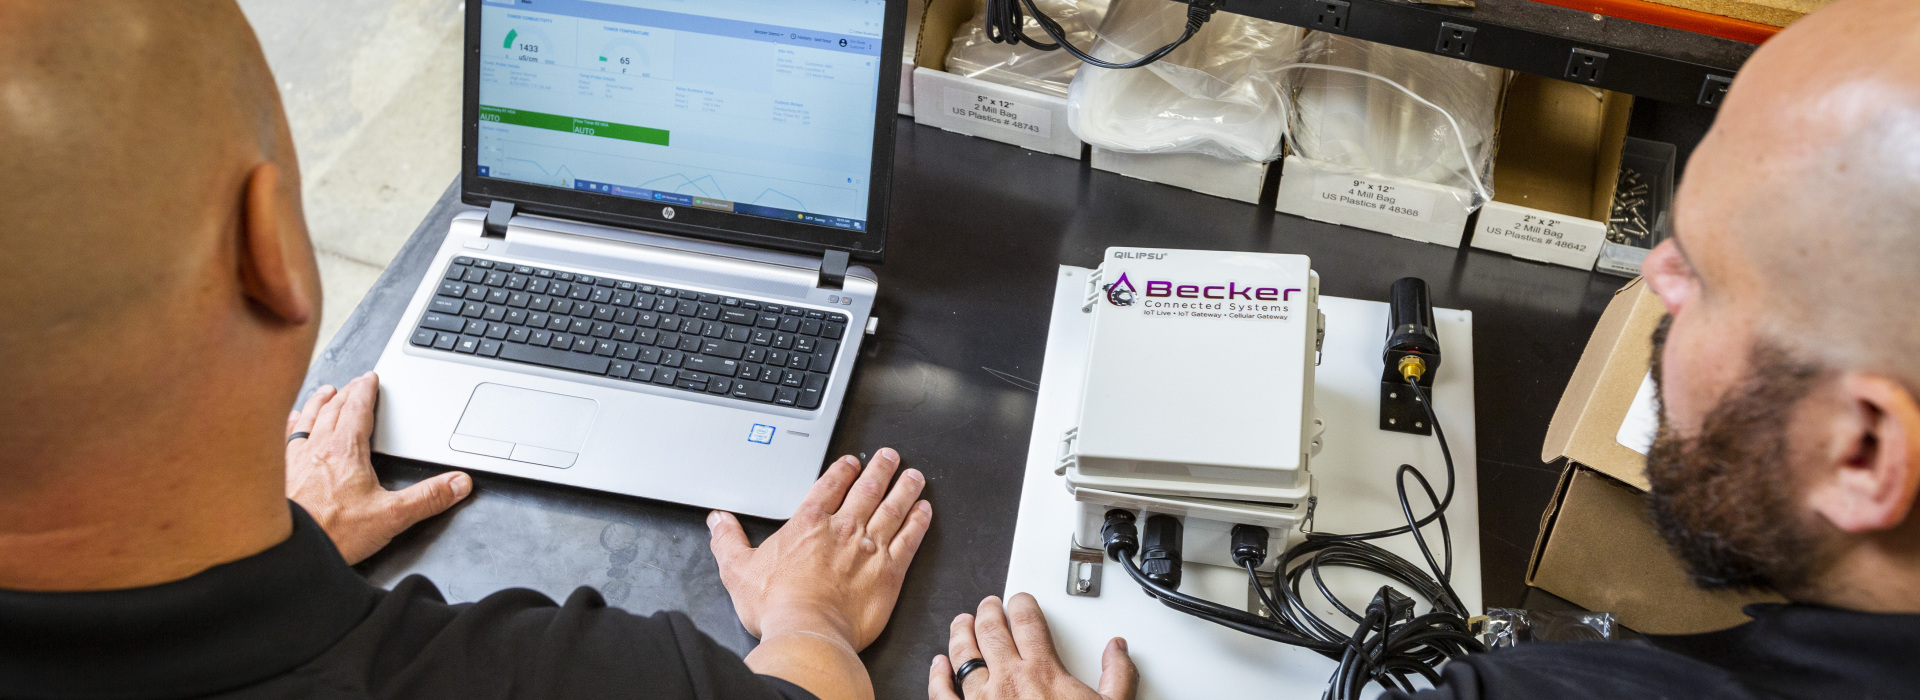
606, 327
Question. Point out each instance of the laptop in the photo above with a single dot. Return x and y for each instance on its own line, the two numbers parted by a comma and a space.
662, 298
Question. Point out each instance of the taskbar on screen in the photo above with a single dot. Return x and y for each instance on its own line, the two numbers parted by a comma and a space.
700, 202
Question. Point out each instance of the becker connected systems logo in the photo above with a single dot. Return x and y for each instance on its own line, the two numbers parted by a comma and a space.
1120, 293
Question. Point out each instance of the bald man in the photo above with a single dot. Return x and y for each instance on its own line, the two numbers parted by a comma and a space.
1789, 369
1788, 457
160, 307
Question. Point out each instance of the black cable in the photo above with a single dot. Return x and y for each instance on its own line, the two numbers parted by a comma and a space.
1210, 611
1389, 645
1006, 24
1446, 456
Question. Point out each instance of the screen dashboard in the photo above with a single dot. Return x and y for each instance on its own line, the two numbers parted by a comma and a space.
752, 108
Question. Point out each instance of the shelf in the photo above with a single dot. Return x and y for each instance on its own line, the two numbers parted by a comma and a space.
1643, 60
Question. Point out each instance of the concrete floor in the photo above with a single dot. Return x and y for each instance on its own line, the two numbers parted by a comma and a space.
372, 90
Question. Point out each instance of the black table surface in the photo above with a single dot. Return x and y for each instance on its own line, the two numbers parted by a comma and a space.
978, 230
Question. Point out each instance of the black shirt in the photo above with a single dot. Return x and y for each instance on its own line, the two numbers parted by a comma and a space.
1787, 651
296, 621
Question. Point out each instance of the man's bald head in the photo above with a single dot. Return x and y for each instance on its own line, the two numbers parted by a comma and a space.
128, 129
1789, 449
159, 297
1807, 191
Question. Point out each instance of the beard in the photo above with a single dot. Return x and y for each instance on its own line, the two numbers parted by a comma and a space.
1725, 499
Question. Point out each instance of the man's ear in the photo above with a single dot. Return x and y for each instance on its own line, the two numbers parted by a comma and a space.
1870, 469
276, 260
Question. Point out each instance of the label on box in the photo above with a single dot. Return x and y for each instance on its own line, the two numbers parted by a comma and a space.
1372, 195
1642, 422
1000, 112
1537, 235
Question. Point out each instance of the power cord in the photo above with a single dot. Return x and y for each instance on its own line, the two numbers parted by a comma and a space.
1389, 644
1006, 24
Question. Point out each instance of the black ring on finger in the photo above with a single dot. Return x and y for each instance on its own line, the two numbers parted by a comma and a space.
297, 436
960, 676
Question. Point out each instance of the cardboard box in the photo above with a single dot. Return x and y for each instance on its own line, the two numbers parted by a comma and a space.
916, 12
1220, 177
1554, 175
974, 107
1778, 13
1597, 546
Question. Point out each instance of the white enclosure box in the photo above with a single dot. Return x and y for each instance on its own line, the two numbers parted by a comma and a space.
1198, 395
1199, 377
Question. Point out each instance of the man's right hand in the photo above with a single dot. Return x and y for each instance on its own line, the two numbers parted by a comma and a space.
1021, 661
822, 587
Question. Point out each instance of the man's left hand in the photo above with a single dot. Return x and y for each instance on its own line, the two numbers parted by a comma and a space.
330, 473
1014, 641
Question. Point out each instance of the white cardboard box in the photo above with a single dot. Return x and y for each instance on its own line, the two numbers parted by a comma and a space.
916, 15
1422, 211
1554, 175
906, 87
1534, 234
1220, 177
974, 107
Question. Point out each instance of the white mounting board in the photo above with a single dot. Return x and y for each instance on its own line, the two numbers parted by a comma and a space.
1182, 657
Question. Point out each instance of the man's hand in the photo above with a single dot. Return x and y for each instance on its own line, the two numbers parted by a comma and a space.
330, 473
1021, 662
836, 567
821, 588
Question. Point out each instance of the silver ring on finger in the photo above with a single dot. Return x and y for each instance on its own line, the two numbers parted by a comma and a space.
960, 676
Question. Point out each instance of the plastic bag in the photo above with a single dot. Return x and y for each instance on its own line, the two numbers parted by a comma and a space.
1346, 114
1022, 66
1219, 94
1506, 627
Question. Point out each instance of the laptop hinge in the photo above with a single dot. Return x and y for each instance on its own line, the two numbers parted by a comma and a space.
833, 269
498, 214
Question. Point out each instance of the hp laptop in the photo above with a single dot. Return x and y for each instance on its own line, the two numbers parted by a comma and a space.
659, 300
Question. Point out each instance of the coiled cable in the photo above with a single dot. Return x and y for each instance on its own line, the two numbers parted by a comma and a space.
1006, 24
1389, 645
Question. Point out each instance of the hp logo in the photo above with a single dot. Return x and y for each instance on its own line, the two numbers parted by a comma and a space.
666, 212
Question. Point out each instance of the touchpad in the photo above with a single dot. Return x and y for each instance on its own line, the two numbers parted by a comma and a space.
524, 425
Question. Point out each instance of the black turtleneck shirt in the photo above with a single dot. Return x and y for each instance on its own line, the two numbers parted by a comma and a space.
1787, 651
295, 621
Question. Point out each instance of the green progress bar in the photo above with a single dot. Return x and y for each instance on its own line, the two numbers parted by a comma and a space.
511, 34
573, 125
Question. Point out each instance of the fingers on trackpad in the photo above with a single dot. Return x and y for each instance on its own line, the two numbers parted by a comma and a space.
523, 425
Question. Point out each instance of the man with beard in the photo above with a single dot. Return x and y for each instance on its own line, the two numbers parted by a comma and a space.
1789, 365
1788, 457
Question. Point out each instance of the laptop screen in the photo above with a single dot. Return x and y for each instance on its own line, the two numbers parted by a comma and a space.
755, 117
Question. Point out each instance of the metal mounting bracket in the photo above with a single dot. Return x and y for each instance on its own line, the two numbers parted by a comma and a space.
833, 269
498, 214
1262, 579
1083, 570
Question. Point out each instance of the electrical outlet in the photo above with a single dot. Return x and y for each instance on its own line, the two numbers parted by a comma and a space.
1586, 66
1714, 90
1331, 15
1456, 40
